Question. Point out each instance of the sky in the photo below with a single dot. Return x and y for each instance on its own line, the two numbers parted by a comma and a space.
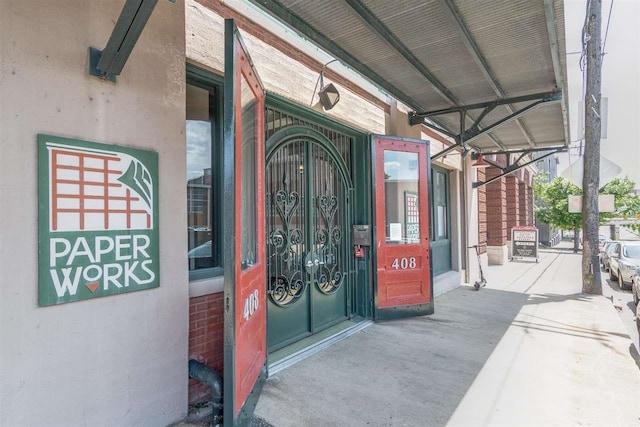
198, 148
620, 82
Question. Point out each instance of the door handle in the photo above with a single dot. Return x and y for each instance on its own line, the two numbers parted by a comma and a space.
310, 263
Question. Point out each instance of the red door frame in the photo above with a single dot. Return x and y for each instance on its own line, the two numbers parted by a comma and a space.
245, 320
402, 291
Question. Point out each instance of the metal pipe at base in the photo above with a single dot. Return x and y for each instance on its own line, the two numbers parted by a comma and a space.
212, 379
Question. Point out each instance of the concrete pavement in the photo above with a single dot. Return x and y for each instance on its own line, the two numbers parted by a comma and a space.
529, 349
622, 298
565, 360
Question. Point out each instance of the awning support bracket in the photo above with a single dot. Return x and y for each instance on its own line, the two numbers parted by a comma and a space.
459, 142
474, 132
515, 166
109, 62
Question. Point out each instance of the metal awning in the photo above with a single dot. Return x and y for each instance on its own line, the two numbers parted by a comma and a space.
490, 74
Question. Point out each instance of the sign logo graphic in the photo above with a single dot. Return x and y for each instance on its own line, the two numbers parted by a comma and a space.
98, 220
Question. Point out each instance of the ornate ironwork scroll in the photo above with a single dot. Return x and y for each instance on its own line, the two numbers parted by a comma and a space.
328, 240
285, 241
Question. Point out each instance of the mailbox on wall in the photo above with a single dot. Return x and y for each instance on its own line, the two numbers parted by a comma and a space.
362, 235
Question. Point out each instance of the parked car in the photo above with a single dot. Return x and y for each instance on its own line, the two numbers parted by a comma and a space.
606, 251
623, 262
202, 251
601, 242
635, 286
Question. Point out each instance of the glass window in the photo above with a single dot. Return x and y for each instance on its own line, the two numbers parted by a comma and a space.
440, 203
248, 176
442, 221
402, 208
202, 188
631, 251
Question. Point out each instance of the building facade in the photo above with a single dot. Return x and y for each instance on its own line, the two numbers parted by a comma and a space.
548, 234
332, 218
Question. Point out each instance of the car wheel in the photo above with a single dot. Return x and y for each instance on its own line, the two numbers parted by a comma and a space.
634, 290
621, 281
611, 276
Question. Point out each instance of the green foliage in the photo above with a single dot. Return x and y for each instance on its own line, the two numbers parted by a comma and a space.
626, 203
552, 200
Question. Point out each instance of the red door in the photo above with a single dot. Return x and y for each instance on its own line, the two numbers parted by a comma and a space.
403, 277
245, 321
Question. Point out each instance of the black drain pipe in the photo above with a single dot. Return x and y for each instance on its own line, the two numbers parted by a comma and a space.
212, 379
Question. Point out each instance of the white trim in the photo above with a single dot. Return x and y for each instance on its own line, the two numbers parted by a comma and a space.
213, 285
446, 282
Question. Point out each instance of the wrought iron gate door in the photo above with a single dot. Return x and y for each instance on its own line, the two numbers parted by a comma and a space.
307, 257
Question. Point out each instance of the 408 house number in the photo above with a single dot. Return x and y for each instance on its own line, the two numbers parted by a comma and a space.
250, 305
404, 263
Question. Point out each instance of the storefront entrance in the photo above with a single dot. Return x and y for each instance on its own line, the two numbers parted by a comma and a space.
308, 232
402, 221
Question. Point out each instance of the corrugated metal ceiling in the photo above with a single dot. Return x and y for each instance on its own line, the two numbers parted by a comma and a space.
440, 54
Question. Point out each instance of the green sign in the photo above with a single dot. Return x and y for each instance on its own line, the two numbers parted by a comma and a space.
98, 220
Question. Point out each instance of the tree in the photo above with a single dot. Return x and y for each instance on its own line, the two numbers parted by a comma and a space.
626, 202
552, 204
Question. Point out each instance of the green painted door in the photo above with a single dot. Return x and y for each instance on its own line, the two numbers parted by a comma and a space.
441, 229
307, 236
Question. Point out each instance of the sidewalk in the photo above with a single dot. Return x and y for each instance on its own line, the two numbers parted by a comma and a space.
529, 349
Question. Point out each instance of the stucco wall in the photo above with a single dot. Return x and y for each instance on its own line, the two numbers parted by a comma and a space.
118, 360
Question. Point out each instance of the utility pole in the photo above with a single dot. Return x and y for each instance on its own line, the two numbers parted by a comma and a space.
591, 278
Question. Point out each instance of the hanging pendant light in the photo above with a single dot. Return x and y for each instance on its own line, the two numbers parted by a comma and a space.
328, 94
480, 162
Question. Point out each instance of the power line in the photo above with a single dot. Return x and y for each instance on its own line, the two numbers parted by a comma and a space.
606, 32
585, 38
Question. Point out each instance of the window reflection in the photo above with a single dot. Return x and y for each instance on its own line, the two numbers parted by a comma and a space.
401, 176
440, 202
248, 175
199, 177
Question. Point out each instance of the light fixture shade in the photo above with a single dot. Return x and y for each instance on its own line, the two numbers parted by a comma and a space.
329, 96
480, 163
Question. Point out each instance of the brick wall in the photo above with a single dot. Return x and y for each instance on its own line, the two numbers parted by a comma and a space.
496, 208
523, 197
482, 213
206, 338
500, 160
513, 203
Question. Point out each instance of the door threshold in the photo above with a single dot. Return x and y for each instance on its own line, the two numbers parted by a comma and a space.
294, 353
